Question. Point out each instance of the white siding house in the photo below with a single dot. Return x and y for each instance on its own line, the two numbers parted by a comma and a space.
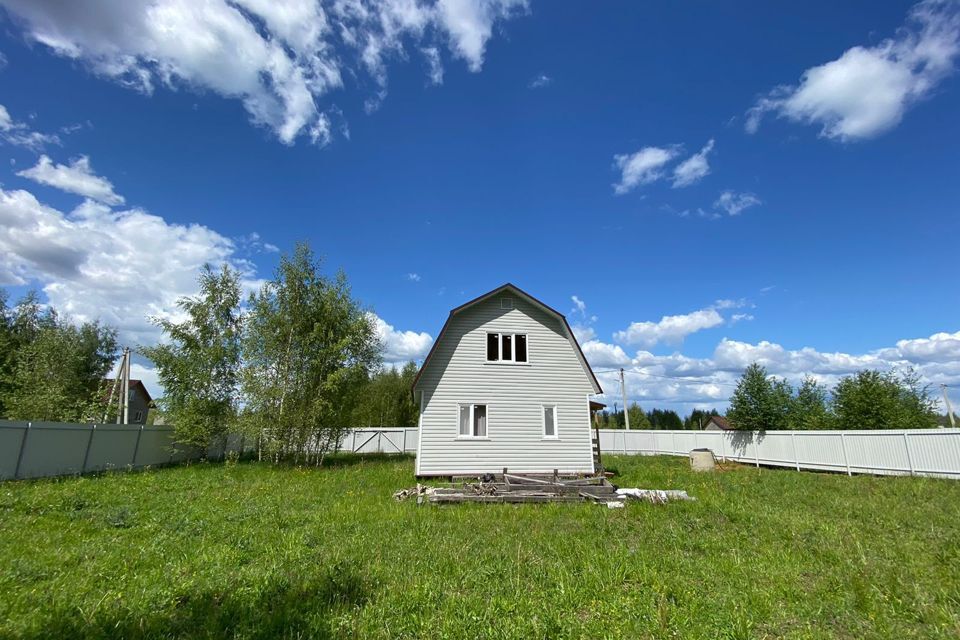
505, 385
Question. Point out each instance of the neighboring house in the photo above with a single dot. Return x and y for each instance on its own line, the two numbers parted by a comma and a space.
717, 423
140, 401
505, 385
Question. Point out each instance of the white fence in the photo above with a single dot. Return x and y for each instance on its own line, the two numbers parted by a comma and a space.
926, 452
382, 440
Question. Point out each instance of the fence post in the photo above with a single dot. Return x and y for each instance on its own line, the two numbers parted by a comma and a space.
353, 443
756, 449
136, 447
23, 446
86, 454
656, 451
404, 450
793, 441
624, 443
379, 436
843, 445
906, 444
673, 441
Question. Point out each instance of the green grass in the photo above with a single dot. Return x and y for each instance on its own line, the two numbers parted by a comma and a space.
253, 551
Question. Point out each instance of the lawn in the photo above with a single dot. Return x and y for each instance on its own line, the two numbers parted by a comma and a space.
253, 551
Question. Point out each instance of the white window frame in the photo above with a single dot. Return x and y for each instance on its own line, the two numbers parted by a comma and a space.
473, 424
513, 347
543, 421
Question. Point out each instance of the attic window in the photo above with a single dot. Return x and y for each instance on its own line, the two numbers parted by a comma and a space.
506, 303
506, 347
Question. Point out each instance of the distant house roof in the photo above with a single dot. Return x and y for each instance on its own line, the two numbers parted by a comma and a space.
721, 422
523, 294
133, 385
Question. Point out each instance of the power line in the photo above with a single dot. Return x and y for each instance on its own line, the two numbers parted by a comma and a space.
657, 375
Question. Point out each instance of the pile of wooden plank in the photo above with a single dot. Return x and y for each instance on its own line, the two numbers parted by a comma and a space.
524, 488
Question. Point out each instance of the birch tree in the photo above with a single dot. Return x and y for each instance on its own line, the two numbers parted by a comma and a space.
760, 402
199, 365
308, 347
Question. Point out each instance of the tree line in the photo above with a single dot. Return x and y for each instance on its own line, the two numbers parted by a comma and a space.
868, 399
654, 418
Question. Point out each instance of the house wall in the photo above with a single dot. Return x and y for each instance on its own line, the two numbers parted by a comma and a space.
138, 402
514, 395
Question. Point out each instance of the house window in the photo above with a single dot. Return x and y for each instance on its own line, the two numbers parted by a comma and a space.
473, 421
506, 303
493, 347
139, 417
549, 421
506, 347
520, 347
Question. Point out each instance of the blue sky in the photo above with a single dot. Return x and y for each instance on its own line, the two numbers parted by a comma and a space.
714, 184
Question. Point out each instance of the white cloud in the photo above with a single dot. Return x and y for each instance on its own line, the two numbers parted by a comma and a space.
77, 177
413, 277
643, 167
734, 203
432, 54
21, 135
601, 354
728, 303
694, 168
940, 347
581, 306
469, 25
540, 81
582, 330
252, 243
279, 58
669, 329
401, 346
867, 90
97, 263
583, 333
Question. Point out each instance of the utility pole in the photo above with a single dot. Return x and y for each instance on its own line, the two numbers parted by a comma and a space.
122, 383
126, 385
946, 400
623, 390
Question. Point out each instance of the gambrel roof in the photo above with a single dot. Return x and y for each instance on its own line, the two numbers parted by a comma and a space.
529, 298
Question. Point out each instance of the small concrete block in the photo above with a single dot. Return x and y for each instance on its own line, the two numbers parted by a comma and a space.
702, 460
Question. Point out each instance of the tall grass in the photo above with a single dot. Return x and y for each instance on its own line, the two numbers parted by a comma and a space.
255, 551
